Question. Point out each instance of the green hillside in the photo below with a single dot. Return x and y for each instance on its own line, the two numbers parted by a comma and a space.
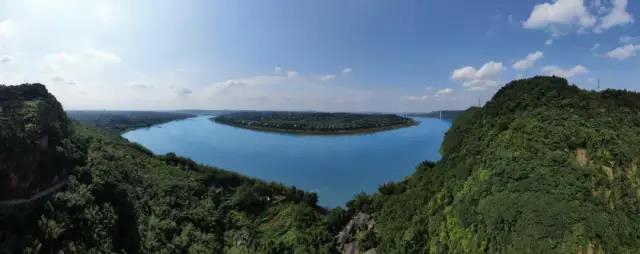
123, 198
544, 167
34, 135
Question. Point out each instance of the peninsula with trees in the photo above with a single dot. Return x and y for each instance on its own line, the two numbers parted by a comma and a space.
314, 122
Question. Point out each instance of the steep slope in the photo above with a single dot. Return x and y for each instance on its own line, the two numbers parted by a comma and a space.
33, 132
544, 167
122, 198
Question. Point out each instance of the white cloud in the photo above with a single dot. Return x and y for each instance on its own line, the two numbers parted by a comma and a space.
224, 86
553, 70
182, 92
62, 60
415, 98
346, 71
104, 56
328, 77
7, 29
439, 93
444, 91
301, 92
624, 52
139, 85
6, 59
277, 69
616, 17
595, 47
292, 74
528, 61
548, 42
61, 80
57, 79
96, 72
479, 79
559, 16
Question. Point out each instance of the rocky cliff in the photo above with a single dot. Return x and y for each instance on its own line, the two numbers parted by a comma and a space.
33, 129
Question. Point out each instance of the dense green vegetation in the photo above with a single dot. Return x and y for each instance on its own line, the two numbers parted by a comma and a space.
447, 115
126, 199
123, 198
544, 167
33, 138
314, 122
121, 121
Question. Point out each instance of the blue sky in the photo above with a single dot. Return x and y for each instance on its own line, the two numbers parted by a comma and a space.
332, 55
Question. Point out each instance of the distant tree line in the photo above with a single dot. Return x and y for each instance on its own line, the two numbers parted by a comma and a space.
313, 122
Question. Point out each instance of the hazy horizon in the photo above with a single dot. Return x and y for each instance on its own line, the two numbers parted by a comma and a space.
347, 56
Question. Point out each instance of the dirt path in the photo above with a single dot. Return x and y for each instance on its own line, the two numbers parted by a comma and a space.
35, 197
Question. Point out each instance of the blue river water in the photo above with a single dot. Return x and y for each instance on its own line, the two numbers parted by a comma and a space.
336, 167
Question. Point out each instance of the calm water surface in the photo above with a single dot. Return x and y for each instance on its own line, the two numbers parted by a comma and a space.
336, 167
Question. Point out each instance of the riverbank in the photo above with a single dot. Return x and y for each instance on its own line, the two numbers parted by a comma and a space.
312, 132
315, 123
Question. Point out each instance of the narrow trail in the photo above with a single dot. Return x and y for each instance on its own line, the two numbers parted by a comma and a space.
37, 196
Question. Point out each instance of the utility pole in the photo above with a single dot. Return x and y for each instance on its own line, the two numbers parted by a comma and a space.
598, 84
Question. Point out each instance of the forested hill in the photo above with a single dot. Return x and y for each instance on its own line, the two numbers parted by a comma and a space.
121, 198
544, 167
34, 134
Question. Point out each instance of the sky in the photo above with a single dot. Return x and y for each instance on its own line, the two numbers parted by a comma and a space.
330, 55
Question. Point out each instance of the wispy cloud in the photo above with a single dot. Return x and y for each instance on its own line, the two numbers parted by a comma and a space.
428, 94
6, 59
617, 16
7, 29
554, 70
479, 79
328, 77
548, 42
624, 52
529, 61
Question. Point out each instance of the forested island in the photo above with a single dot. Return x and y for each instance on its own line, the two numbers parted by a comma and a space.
543, 167
314, 122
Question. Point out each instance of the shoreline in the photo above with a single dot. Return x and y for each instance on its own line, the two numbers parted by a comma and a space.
319, 133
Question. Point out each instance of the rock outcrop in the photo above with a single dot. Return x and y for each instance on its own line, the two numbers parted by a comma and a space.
33, 128
351, 239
